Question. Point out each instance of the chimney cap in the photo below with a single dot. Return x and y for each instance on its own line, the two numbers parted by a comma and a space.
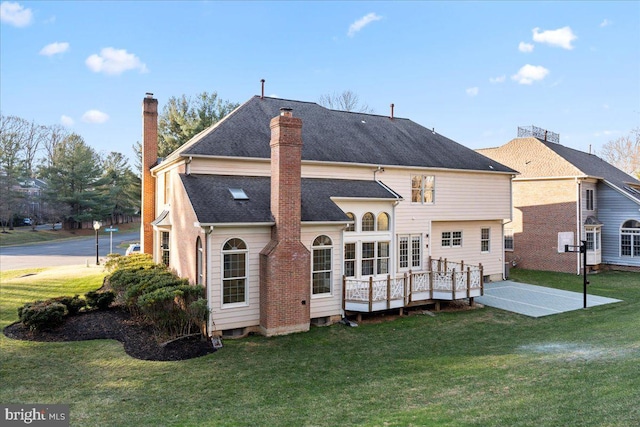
286, 111
149, 95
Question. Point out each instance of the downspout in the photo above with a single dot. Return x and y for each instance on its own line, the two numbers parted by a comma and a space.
207, 242
578, 221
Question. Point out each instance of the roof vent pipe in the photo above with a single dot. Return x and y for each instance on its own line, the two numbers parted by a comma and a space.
392, 110
262, 81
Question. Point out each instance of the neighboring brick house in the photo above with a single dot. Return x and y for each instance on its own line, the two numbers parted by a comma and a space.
290, 214
565, 196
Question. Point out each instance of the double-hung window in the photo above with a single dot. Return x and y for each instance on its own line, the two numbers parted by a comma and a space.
423, 189
234, 279
164, 247
589, 200
485, 239
452, 239
322, 253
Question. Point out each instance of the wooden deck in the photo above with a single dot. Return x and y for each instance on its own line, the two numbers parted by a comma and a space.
445, 281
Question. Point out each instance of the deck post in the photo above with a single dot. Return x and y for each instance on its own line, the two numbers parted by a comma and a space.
468, 282
370, 294
453, 283
388, 291
344, 292
407, 295
430, 284
481, 279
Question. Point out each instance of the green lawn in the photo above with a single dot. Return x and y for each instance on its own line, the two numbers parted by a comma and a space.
482, 367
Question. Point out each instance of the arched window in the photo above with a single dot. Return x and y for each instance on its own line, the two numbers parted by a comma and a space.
368, 222
199, 262
234, 279
352, 226
383, 222
322, 254
630, 238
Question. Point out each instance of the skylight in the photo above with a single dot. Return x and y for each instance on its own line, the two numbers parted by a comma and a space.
238, 194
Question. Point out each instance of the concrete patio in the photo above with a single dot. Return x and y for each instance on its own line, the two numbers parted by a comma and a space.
535, 301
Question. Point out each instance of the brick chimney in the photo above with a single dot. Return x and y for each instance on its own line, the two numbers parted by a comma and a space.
285, 263
149, 160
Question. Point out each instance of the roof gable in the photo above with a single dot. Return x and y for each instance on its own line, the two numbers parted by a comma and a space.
536, 158
336, 136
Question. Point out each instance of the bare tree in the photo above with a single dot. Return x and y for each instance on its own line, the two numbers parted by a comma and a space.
345, 101
624, 153
54, 135
33, 139
12, 131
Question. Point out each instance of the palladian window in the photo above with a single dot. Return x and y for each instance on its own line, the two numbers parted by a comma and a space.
630, 238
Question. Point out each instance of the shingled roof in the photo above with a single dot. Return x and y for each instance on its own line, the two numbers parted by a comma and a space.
534, 157
336, 136
594, 166
214, 203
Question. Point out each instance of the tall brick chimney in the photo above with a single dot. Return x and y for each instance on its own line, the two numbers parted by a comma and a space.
149, 160
285, 263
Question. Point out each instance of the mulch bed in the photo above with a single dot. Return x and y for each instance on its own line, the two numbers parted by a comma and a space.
116, 323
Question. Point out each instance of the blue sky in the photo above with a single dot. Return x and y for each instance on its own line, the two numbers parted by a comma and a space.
473, 70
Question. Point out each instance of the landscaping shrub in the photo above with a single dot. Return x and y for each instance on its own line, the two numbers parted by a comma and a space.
150, 281
136, 261
74, 304
42, 314
100, 300
175, 311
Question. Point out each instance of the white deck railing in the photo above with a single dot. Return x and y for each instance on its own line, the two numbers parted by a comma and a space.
444, 281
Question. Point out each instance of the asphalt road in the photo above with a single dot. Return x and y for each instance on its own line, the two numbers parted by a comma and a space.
79, 251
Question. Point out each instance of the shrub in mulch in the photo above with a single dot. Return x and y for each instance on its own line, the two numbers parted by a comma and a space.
42, 314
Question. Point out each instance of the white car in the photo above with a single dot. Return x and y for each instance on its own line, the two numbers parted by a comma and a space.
133, 248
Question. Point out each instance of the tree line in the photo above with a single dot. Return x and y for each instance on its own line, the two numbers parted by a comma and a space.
50, 175
81, 185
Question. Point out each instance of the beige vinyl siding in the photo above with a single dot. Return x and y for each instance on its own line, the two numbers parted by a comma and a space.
183, 234
470, 251
326, 305
230, 166
243, 316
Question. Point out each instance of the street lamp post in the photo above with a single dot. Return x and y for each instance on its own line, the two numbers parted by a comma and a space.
96, 226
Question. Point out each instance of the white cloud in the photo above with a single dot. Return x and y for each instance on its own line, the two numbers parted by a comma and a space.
473, 91
54, 48
362, 22
562, 37
499, 79
525, 47
95, 116
15, 14
114, 61
530, 73
605, 23
66, 120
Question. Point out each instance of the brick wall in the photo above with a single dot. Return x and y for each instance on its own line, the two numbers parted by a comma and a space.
542, 209
149, 159
285, 263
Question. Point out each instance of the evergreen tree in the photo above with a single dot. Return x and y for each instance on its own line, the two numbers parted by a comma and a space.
122, 189
183, 118
76, 182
